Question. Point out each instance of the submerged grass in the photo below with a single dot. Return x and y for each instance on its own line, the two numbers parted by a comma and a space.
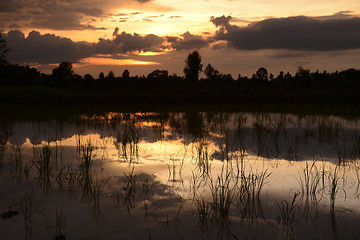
334, 182
249, 192
96, 189
202, 157
43, 165
287, 216
60, 223
128, 143
310, 179
85, 176
251, 184
288, 210
2, 155
126, 195
17, 165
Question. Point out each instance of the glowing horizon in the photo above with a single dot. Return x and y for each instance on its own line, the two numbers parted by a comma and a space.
145, 30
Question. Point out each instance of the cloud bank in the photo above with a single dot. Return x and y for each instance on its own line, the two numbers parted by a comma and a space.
338, 32
49, 48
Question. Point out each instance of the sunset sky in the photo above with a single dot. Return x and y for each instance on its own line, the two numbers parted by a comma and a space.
236, 37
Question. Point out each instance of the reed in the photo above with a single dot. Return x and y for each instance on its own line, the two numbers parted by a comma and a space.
287, 216
17, 166
60, 223
44, 166
204, 209
334, 181
126, 195
96, 189
172, 170
129, 144
287, 211
222, 193
310, 179
251, 184
249, 191
2, 156
203, 157
85, 175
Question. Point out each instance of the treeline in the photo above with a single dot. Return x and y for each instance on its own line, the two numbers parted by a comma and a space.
160, 81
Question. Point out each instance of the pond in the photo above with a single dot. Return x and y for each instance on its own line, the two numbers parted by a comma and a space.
180, 175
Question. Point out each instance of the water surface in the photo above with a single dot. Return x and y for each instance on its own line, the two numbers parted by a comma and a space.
187, 175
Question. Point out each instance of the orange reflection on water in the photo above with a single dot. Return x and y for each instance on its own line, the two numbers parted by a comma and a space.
117, 115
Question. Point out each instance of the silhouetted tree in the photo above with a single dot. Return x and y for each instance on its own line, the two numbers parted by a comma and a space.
302, 79
211, 72
63, 74
88, 81
111, 75
101, 76
15, 75
158, 74
3, 50
193, 67
262, 74
126, 74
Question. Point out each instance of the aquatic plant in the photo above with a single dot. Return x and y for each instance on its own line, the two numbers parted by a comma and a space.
60, 223
204, 209
126, 195
249, 188
309, 180
2, 155
96, 188
44, 166
222, 193
348, 149
85, 176
17, 165
202, 157
288, 211
128, 143
172, 170
287, 216
334, 181
251, 184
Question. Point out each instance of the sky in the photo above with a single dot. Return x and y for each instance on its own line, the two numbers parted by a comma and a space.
234, 36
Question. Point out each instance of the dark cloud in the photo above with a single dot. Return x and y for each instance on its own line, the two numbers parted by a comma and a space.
89, 11
188, 41
49, 48
143, 1
56, 15
136, 13
63, 21
9, 6
124, 42
116, 32
292, 33
127, 14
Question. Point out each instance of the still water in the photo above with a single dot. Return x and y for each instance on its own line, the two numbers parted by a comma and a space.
197, 175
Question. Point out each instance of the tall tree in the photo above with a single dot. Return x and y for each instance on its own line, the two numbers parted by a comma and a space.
211, 72
262, 74
193, 67
126, 74
3, 50
63, 74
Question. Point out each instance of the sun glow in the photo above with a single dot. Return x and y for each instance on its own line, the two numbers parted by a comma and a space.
150, 53
111, 61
